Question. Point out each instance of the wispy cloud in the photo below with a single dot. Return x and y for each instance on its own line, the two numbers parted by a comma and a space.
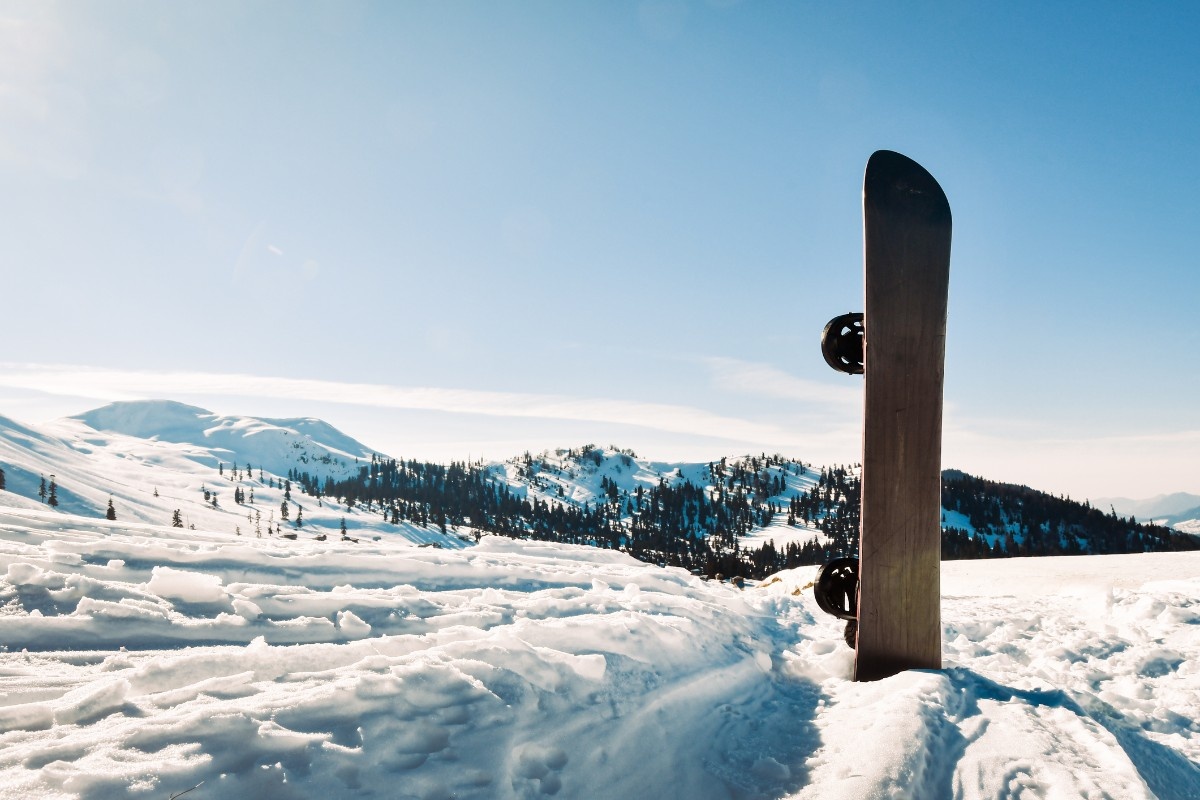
1021, 450
748, 377
111, 385
822, 425
1133, 463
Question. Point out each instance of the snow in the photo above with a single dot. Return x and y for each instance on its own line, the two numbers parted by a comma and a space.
1191, 526
191, 587
141, 661
194, 451
261, 442
576, 477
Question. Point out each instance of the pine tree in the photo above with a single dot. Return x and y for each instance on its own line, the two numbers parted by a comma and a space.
283, 510
112, 512
52, 499
42, 489
299, 517
1, 477
176, 519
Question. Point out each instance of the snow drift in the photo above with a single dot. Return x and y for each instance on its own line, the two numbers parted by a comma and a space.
141, 661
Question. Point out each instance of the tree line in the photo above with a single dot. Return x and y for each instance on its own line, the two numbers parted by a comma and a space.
702, 522
702, 525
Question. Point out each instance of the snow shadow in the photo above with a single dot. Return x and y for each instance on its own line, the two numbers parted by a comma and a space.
741, 732
974, 687
1168, 773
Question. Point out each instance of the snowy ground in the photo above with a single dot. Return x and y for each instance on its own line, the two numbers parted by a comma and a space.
143, 661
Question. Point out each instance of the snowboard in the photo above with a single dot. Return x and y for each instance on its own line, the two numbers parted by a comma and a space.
899, 345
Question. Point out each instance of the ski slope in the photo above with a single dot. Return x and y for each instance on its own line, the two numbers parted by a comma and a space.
140, 661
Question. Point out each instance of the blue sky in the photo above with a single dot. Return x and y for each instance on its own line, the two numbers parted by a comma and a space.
460, 229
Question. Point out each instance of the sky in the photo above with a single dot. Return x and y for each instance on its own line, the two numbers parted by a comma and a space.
469, 229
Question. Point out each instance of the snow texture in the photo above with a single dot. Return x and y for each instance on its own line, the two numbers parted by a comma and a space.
141, 661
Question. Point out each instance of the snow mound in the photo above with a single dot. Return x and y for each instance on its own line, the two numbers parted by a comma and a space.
193, 587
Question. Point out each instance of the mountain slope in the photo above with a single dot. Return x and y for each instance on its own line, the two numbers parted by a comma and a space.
1187, 521
1178, 505
187, 465
274, 444
752, 515
1180, 510
1023, 521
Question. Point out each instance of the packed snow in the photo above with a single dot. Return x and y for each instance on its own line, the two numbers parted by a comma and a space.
143, 661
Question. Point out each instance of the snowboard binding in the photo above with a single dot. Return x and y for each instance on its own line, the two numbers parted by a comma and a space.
842, 343
836, 590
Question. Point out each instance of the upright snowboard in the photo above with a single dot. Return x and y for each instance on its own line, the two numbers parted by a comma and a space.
901, 343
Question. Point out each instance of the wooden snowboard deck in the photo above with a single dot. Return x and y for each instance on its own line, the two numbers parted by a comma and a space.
906, 223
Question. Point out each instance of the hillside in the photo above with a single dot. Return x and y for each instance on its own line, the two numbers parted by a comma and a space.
153, 459
1011, 519
1157, 507
167, 463
1179, 510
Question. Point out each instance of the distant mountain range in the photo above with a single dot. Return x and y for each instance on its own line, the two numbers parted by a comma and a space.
1179, 510
166, 463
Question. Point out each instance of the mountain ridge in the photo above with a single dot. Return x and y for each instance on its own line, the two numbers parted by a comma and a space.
170, 421
736, 515
1173, 504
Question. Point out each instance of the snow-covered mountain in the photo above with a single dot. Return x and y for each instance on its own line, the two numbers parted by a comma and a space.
273, 444
1179, 510
593, 477
1188, 523
1187, 520
152, 459
1174, 505
158, 461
